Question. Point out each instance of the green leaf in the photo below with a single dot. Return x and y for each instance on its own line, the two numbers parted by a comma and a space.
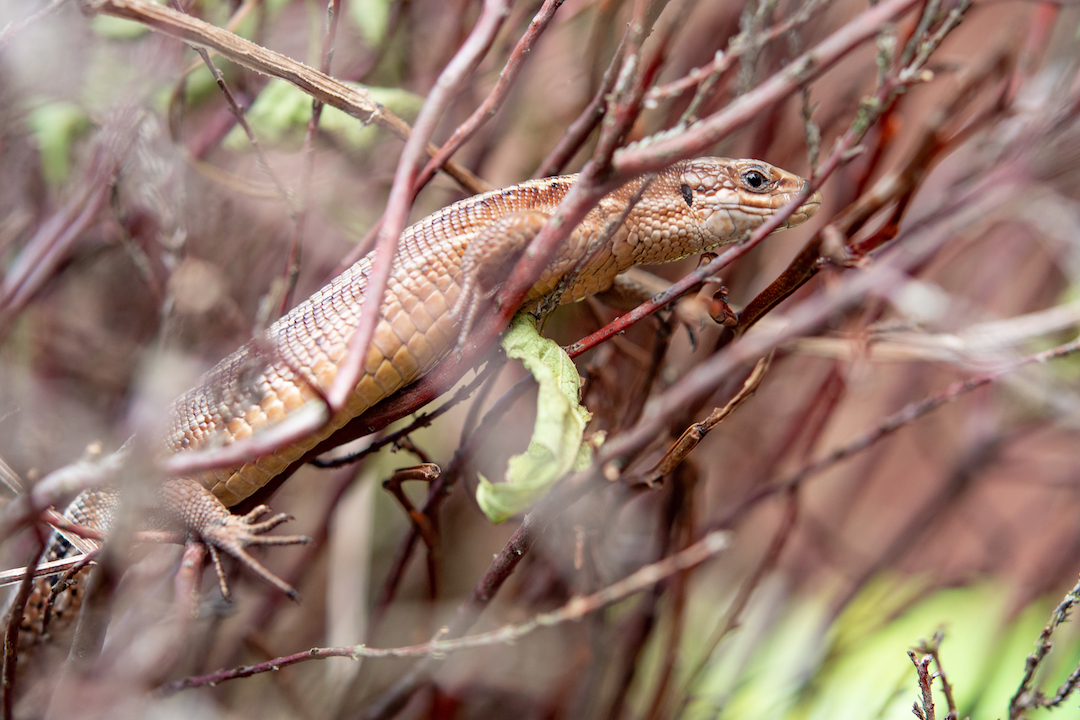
372, 18
556, 446
280, 114
55, 126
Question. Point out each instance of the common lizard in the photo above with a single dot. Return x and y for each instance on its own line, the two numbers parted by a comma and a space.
444, 264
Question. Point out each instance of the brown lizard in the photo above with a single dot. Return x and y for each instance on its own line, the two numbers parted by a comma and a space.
444, 265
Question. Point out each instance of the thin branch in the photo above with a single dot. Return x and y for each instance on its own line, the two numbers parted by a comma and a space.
657, 151
401, 194
311, 136
14, 28
495, 99
12, 626
933, 649
238, 112
697, 432
1027, 696
52, 567
709, 546
925, 711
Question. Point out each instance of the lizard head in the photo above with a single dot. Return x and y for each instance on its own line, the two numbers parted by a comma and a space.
732, 197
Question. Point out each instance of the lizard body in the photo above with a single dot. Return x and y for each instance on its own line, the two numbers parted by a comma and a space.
252, 389
445, 264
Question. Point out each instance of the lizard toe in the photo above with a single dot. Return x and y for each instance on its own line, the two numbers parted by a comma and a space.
205, 519
258, 528
233, 536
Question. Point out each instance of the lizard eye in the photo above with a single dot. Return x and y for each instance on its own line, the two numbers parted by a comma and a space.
755, 179
687, 194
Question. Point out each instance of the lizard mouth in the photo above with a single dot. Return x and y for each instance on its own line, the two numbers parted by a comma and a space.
806, 211
763, 210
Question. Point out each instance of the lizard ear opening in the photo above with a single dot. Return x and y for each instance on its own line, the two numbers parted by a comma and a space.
687, 194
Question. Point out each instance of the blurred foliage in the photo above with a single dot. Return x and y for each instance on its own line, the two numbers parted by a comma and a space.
114, 28
372, 18
56, 125
788, 660
280, 117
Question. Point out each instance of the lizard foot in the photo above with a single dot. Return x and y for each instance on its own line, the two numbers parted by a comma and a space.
204, 517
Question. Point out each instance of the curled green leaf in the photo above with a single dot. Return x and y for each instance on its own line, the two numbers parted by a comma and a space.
556, 446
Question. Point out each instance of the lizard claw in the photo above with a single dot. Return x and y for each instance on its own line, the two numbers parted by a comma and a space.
235, 533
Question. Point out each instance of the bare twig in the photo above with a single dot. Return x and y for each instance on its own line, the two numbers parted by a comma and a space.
52, 567
491, 104
694, 434
1027, 696
401, 194
706, 548
933, 649
925, 710
12, 626
311, 135
238, 113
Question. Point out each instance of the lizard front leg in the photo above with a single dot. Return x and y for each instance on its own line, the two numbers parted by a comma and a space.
204, 518
182, 504
490, 257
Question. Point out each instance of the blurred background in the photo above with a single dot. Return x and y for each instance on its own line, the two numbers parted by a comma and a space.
142, 240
